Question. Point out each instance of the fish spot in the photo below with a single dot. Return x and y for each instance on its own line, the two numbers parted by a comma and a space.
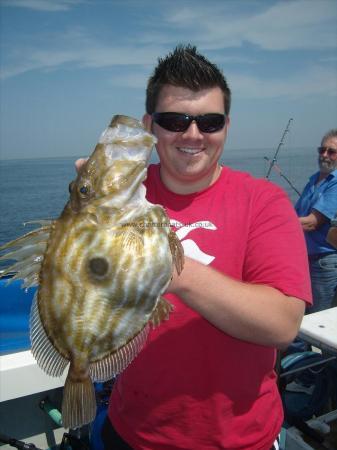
98, 267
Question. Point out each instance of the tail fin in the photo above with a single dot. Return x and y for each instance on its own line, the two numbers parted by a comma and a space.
79, 402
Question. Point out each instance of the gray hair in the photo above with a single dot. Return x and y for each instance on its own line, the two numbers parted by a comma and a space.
330, 134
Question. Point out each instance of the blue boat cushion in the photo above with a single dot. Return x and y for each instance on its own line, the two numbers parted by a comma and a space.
15, 304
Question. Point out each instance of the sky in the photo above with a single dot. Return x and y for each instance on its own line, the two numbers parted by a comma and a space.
67, 66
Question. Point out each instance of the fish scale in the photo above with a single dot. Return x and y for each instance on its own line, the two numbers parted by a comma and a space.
101, 269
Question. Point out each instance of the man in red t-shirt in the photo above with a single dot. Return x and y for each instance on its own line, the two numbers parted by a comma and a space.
205, 378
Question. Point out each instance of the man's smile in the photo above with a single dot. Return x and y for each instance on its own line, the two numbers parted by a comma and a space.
190, 150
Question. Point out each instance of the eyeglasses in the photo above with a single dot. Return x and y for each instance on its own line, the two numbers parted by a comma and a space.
330, 151
177, 122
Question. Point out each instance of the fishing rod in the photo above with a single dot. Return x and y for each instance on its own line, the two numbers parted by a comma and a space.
279, 171
273, 163
274, 160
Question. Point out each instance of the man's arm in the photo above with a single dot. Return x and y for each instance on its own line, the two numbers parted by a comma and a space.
313, 221
251, 312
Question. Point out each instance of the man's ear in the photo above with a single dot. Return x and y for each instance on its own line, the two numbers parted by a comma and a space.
147, 122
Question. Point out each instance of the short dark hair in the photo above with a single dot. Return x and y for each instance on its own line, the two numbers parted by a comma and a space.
185, 67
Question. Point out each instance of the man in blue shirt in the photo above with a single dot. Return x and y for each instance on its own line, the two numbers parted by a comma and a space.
316, 207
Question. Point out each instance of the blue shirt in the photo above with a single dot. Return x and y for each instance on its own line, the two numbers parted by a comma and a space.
323, 198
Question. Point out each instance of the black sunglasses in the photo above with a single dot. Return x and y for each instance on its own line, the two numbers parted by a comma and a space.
172, 121
330, 151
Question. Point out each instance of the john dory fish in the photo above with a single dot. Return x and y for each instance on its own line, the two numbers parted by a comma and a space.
100, 267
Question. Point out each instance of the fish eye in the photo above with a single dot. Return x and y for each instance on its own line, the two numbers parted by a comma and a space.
84, 189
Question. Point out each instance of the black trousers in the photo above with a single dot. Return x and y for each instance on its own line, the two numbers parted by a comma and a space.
112, 440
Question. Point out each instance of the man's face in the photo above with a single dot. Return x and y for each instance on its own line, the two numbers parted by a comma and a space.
328, 161
189, 159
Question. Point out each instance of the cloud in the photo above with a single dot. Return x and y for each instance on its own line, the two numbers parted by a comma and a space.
315, 81
132, 79
216, 26
303, 83
300, 24
43, 5
287, 25
75, 48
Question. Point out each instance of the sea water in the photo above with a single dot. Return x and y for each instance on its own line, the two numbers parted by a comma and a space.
34, 189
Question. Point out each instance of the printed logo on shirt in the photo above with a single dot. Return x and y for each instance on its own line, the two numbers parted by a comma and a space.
191, 249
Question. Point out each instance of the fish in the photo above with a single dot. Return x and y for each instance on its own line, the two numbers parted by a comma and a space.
100, 269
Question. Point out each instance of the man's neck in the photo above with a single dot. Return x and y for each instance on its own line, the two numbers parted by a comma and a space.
185, 187
321, 176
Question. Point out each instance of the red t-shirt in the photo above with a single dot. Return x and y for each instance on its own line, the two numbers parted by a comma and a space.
193, 386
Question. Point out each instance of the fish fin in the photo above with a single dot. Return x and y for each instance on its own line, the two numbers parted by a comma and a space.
79, 401
161, 312
116, 362
43, 222
28, 238
133, 238
28, 254
29, 274
46, 355
177, 251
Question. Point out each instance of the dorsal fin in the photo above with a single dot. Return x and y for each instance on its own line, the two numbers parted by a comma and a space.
46, 355
30, 238
115, 363
28, 251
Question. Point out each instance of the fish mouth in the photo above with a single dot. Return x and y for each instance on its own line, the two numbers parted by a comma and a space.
117, 199
190, 150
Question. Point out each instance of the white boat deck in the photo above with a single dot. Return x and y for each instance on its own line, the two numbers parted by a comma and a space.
22, 386
21, 376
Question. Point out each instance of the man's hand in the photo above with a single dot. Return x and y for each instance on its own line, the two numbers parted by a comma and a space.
332, 236
313, 221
